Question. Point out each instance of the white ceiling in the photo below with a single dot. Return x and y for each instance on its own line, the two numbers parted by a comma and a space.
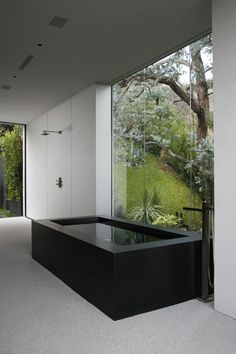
102, 41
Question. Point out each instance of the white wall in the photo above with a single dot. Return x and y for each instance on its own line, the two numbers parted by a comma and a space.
224, 34
81, 155
103, 150
36, 169
59, 161
84, 152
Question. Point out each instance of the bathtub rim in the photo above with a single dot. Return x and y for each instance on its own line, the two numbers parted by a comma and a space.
180, 237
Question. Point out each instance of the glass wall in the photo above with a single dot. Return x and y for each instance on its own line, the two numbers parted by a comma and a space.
163, 139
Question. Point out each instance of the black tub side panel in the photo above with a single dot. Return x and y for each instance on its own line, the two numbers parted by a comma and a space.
149, 279
85, 268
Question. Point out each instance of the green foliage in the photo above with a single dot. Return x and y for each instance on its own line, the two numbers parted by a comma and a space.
149, 208
6, 213
130, 183
156, 132
4, 127
170, 132
11, 143
167, 220
141, 126
202, 166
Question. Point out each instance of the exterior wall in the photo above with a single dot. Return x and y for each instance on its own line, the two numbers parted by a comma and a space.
75, 155
224, 33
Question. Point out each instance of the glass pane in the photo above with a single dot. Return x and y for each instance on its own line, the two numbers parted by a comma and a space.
163, 139
128, 148
201, 152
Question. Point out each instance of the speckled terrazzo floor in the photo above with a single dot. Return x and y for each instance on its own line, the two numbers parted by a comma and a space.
40, 314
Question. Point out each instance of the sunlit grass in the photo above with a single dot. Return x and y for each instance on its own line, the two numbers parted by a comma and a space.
131, 182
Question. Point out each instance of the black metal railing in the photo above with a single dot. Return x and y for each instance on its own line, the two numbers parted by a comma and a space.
206, 247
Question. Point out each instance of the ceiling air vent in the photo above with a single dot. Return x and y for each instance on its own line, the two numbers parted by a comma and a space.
26, 62
58, 22
5, 87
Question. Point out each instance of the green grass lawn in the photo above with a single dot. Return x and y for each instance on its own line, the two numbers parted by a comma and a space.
130, 183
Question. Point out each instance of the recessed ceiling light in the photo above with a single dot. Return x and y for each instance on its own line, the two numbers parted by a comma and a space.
58, 21
6, 87
26, 62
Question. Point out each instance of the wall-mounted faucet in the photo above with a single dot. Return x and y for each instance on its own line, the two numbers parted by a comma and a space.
59, 182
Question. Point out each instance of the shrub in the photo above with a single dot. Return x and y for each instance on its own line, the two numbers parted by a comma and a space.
13, 165
167, 220
149, 208
202, 166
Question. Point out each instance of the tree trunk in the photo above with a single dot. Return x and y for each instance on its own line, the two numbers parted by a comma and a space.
199, 105
202, 92
190, 101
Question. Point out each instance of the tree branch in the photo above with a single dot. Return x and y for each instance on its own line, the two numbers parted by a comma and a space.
125, 91
162, 146
169, 151
176, 87
182, 93
208, 69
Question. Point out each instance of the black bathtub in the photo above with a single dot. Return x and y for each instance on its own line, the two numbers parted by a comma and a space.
123, 268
